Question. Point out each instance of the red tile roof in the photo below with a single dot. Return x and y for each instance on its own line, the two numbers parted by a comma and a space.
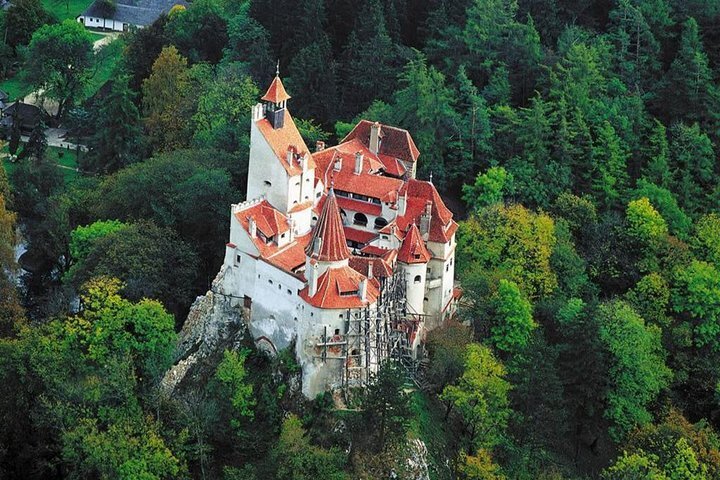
380, 268
419, 193
392, 165
339, 287
413, 248
269, 221
276, 92
396, 142
373, 250
359, 236
329, 232
369, 183
282, 139
359, 206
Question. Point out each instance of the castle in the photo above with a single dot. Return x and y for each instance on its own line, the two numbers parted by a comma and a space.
342, 252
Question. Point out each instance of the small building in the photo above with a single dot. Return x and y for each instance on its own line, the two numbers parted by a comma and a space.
127, 14
28, 115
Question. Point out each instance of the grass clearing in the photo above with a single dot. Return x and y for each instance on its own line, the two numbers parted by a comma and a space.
65, 159
64, 9
15, 88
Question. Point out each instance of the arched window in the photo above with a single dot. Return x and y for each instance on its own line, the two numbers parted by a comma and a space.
360, 219
267, 183
380, 222
418, 278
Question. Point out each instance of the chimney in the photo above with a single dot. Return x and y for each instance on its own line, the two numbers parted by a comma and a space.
290, 154
304, 162
312, 275
370, 270
362, 289
252, 227
291, 226
258, 112
375, 138
358, 163
338, 164
425, 219
319, 146
402, 203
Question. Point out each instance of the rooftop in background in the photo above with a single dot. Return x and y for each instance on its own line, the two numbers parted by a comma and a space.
134, 12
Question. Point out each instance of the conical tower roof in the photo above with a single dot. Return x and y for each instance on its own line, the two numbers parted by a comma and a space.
328, 242
413, 249
276, 91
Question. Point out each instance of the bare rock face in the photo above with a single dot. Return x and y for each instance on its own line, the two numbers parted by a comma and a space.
215, 323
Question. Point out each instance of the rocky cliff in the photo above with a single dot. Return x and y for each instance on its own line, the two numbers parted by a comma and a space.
215, 323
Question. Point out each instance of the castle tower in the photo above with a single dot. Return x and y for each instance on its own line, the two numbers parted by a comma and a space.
276, 102
328, 246
413, 257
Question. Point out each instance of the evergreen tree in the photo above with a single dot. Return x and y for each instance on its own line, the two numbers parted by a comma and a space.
690, 94
371, 61
117, 135
610, 178
693, 166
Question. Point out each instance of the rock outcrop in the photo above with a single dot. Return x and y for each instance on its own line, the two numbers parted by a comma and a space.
215, 323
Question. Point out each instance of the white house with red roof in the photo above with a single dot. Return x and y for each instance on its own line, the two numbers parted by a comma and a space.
338, 247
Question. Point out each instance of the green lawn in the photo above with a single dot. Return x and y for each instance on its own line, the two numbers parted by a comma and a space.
62, 9
15, 88
59, 156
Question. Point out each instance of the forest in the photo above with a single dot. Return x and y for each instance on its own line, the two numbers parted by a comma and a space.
575, 141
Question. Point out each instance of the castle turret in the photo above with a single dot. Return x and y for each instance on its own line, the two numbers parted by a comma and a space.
328, 245
413, 257
275, 100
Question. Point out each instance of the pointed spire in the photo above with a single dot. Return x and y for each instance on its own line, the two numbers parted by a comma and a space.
276, 91
329, 231
413, 249
277, 69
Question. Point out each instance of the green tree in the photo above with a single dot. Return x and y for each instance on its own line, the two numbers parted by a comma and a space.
645, 224
297, 459
7, 237
512, 323
488, 189
691, 94
223, 110
696, 293
59, 61
249, 43
387, 405
510, 242
369, 44
151, 261
480, 397
679, 224
204, 19
23, 18
637, 366
117, 131
692, 162
231, 373
706, 238
166, 101
83, 239
657, 170
610, 177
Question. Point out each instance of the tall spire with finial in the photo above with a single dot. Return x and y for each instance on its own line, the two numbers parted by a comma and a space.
276, 101
329, 234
